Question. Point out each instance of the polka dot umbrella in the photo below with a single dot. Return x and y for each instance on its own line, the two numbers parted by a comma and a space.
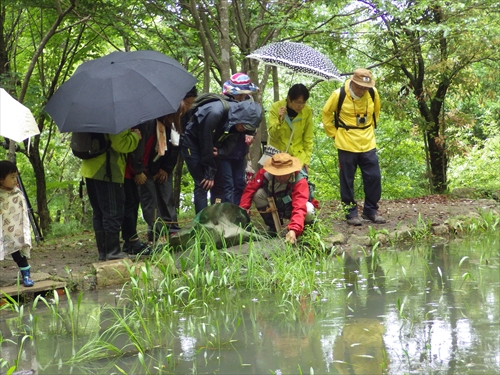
298, 57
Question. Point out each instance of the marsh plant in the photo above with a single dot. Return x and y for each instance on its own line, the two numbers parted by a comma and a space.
422, 230
175, 293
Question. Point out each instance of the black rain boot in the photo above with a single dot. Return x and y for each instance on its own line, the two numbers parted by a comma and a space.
113, 250
100, 240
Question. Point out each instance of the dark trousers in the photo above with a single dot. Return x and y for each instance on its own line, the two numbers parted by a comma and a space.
157, 202
107, 201
131, 208
229, 181
20, 260
192, 158
370, 173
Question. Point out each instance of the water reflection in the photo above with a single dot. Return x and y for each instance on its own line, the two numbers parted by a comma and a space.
419, 311
360, 347
438, 322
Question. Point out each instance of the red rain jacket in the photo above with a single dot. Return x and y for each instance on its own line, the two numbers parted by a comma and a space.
300, 196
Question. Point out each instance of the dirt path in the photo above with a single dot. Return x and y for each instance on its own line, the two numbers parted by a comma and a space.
74, 255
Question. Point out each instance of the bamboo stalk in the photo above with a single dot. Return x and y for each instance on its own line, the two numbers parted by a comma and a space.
274, 212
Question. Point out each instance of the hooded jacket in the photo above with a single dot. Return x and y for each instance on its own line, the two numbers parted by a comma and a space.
209, 127
121, 144
352, 140
301, 144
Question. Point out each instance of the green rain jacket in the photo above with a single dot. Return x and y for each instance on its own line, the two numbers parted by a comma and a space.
121, 144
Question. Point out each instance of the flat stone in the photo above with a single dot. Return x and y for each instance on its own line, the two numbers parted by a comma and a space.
40, 286
440, 230
336, 239
112, 272
382, 238
359, 240
35, 276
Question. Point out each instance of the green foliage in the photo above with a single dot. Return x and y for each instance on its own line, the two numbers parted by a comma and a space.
402, 160
479, 168
65, 229
352, 34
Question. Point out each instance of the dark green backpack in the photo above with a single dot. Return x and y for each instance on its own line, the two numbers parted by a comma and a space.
86, 145
209, 97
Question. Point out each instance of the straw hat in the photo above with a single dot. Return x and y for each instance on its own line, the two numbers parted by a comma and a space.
282, 164
363, 77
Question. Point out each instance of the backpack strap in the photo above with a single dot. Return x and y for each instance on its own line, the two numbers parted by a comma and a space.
342, 95
108, 159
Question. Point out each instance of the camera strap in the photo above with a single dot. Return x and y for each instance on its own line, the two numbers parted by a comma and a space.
342, 96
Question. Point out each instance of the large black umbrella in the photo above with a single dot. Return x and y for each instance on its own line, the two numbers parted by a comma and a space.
298, 57
118, 91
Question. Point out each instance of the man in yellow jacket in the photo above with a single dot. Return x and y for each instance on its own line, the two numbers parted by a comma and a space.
353, 131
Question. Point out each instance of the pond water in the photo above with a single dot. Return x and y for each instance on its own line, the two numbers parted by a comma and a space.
424, 310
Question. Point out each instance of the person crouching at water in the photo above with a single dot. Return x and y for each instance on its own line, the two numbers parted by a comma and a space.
281, 178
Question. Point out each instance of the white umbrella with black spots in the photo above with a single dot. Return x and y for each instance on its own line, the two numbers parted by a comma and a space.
298, 57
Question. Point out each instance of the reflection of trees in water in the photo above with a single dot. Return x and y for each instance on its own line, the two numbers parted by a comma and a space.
360, 348
440, 264
290, 341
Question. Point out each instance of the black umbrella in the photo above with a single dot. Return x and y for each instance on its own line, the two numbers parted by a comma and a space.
298, 57
118, 91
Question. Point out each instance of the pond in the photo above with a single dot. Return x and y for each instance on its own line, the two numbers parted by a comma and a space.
424, 310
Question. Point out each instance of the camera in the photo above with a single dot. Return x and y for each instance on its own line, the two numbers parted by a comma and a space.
360, 120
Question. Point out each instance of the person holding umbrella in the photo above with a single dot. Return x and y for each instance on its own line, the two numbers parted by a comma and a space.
104, 177
110, 95
290, 125
351, 124
210, 131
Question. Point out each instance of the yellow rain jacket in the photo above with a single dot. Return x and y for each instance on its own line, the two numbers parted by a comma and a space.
352, 140
301, 144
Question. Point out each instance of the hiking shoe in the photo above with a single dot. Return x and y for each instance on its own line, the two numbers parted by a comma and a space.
354, 221
377, 219
136, 247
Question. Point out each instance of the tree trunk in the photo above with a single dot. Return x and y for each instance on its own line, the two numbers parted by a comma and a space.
225, 42
43, 215
438, 158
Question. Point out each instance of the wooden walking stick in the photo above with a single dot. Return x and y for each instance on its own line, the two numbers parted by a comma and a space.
274, 212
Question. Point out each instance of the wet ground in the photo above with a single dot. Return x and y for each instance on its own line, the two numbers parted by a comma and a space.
71, 257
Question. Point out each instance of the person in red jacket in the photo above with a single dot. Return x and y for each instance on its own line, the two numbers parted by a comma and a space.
282, 178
